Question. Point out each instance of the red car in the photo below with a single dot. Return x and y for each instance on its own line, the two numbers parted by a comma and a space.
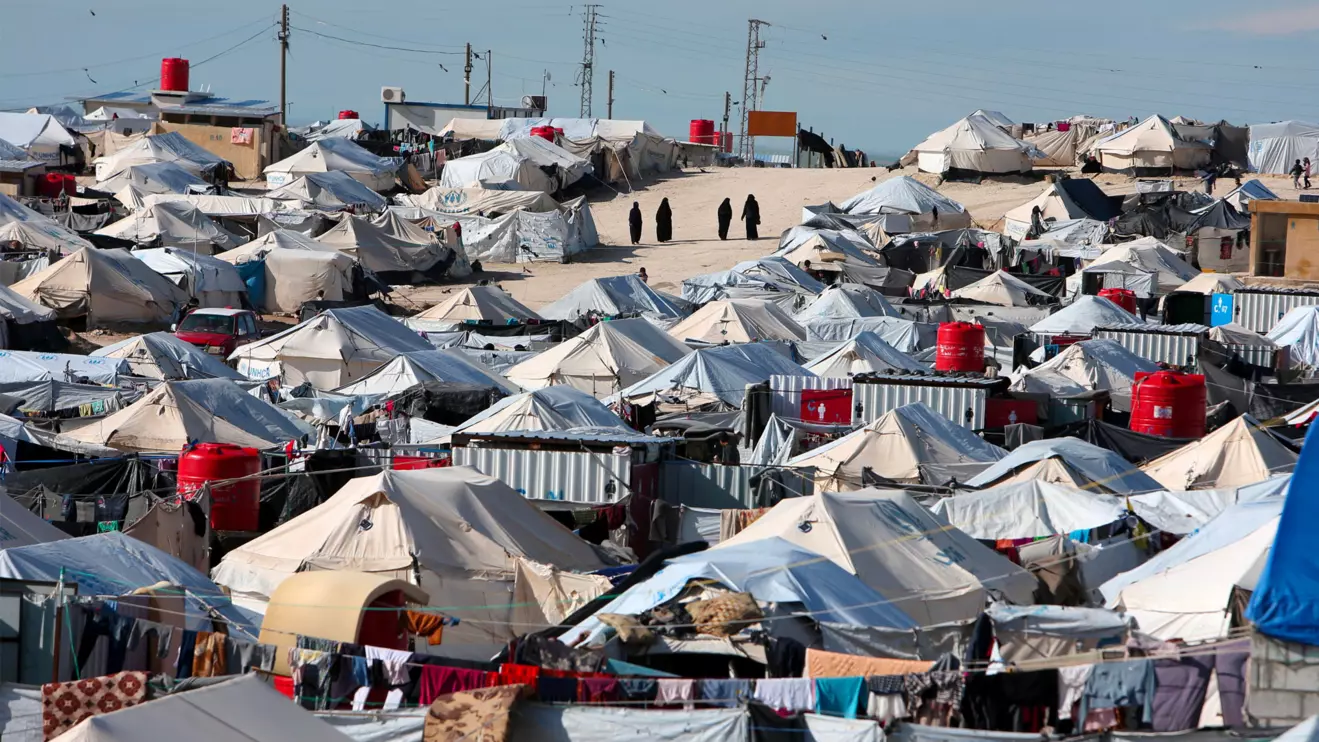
218, 331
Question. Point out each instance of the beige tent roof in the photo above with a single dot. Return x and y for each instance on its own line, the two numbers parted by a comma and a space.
1149, 254
1151, 144
461, 128
609, 357
864, 354
973, 143
378, 250
1236, 334
738, 321
1002, 289
479, 303
178, 412
1054, 203
1212, 283
932, 571
105, 286
298, 269
1236, 454
895, 447
1057, 147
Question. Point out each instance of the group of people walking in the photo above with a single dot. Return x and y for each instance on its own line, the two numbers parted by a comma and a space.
1300, 173
664, 220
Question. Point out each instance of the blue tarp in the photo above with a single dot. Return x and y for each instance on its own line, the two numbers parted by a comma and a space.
253, 273
1285, 604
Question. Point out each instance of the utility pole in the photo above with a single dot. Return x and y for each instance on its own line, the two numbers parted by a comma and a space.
489, 77
750, 93
467, 77
283, 65
588, 58
728, 108
610, 114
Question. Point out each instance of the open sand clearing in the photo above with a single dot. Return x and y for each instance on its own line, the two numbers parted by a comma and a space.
695, 196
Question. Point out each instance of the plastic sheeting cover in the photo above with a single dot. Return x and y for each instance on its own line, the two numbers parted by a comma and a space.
1099, 465
1029, 510
1283, 604
534, 722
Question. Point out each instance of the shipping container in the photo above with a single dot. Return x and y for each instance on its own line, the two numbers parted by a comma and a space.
584, 477
1175, 345
961, 399
698, 485
1259, 309
785, 391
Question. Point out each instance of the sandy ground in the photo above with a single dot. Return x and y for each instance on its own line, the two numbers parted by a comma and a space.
695, 196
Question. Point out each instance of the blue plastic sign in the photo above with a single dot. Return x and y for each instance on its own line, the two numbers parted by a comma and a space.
1220, 309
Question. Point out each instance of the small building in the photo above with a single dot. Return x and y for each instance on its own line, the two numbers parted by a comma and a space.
1284, 239
430, 118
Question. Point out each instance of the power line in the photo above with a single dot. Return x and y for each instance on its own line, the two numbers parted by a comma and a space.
377, 46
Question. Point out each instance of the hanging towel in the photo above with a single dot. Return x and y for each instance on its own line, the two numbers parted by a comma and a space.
673, 691
787, 694
725, 693
839, 696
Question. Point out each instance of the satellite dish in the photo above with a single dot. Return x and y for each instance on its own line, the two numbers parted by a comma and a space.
548, 77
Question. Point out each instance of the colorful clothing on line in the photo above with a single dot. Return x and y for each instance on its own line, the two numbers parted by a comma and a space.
729, 693
839, 696
439, 681
598, 690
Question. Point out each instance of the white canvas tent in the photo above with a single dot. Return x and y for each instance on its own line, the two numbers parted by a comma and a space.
933, 572
1087, 366
1212, 283
1054, 203
1150, 255
847, 301
1082, 316
1070, 462
55, 234
906, 195
1274, 148
173, 224
177, 413
332, 349
529, 163
171, 147
212, 282
899, 446
611, 297
337, 129
379, 251
1002, 289
866, 353
297, 270
1056, 148
769, 275
605, 359
461, 532
160, 355
105, 286
22, 365
738, 321
474, 304
153, 177
331, 191
1151, 144
1239, 453
408, 369
335, 155
974, 144
1298, 331
488, 202
718, 375
1033, 509
559, 408
39, 135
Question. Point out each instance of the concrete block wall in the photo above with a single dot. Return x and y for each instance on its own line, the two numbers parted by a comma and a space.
1283, 683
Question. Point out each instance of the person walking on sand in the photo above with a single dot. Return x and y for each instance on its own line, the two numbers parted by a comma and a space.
634, 223
751, 215
664, 222
1305, 174
725, 217
1296, 173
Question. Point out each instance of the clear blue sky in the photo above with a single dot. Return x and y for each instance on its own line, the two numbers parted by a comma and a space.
888, 74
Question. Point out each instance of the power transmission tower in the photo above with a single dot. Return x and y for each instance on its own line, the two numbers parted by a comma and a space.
589, 15
750, 91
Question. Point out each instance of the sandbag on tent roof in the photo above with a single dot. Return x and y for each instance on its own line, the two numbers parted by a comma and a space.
117, 564
773, 569
866, 353
899, 446
1083, 316
1062, 200
1067, 461
974, 144
533, 163
1031, 509
1185, 591
153, 177
906, 195
160, 355
611, 297
1275, 147
170, 147
846, 301
416, 367
1003, 289
555, 408
379, 251
209, 280
296, 270
329, 350
332, 191
738, 321
928, 569
603, 360
713, 375
13, 211
173, 224
771, 273
489, 304
1149, 254
1239, 453
335, 155
1087, 366
243, 709
18, 527
177, 413
105, 286
1151, 144
1298, 331
39, 135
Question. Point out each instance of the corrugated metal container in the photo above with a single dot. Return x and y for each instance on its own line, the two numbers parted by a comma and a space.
700, 485
1260, 309
1175, 345
953, 398
595, 478
1257, 356
785, 391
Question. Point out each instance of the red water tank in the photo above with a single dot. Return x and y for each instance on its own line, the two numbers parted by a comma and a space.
702, 132
1168, 403
54, 185
348, 114
544, 132
235, 506
1125, 298
174, 74
961, 347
